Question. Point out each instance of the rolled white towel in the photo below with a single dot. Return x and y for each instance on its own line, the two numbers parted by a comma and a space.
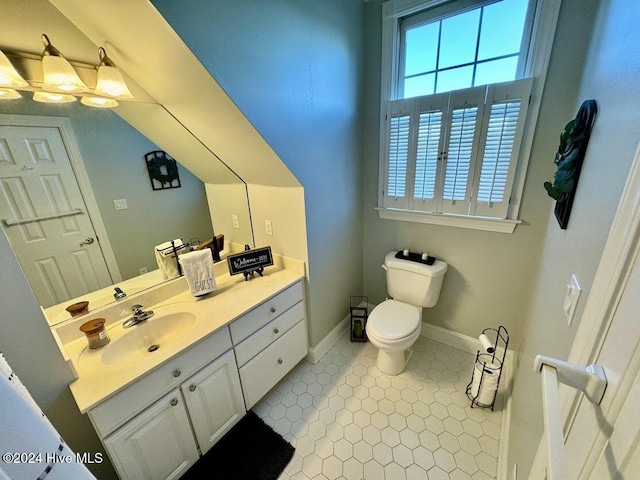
198, 270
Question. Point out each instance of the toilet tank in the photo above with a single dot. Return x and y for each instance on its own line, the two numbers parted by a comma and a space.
414, 282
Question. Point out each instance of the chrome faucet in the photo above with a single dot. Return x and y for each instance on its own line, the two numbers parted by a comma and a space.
119, 295
139, 316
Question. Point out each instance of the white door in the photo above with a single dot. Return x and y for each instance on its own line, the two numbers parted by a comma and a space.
602, 442
45, 217
155, 445
214, 400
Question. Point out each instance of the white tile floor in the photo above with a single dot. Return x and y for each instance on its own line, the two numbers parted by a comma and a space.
346, 419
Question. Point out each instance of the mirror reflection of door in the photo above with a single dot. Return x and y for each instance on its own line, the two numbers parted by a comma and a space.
45, 218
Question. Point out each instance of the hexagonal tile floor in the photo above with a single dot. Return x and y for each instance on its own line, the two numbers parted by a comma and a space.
346, 419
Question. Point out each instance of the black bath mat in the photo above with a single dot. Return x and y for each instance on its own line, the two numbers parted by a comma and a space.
251, 450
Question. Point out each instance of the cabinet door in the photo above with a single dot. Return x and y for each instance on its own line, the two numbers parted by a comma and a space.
214, 400
157, 444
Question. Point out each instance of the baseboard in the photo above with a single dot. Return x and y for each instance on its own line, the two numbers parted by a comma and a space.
316, 353
472, 345
453, 339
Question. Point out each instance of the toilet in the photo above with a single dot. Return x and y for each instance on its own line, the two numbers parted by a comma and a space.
394, 325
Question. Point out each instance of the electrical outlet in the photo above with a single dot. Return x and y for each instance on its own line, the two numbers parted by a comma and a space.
236, 221
120, 204
267, 227
143, 270
571, 296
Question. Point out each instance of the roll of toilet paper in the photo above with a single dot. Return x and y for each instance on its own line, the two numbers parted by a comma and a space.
486, 343
485, 383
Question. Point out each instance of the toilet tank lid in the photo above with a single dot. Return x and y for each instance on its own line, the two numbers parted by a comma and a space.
438, 268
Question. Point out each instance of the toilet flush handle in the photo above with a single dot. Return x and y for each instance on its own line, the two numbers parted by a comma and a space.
384, 267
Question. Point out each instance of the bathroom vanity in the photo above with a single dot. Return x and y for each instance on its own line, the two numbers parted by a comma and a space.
162, 393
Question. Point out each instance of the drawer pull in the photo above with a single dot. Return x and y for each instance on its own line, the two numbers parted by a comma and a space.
174, 402
192, 388
279, 361
176, 373
276, 331
273, 309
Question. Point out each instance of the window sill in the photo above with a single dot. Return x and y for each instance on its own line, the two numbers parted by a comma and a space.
449, 220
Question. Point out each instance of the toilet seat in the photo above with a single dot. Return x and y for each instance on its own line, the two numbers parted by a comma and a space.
392, 320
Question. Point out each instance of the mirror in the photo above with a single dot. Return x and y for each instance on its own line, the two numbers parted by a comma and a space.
112, 145
113, 155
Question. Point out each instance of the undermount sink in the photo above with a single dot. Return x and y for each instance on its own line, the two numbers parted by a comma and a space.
167, 326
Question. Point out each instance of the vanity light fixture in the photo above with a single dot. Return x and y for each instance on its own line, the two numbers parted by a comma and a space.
99, 102
110, 81
59, 75
9, 76
9, 94
50, 97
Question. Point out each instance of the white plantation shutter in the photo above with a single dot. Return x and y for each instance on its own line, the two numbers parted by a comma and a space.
429, 127
502, 131
398, 156
455, 152
463, 137
429, 148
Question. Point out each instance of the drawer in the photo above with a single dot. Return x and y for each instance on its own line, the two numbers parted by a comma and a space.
266, 369
115, 411
263, 314
275, 329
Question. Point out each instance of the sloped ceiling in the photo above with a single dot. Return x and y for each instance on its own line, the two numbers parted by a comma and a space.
143, 44
159, 69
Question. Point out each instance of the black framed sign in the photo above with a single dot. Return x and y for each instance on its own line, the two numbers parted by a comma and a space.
250, 261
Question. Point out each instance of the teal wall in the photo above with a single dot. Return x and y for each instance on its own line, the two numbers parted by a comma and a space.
294, 69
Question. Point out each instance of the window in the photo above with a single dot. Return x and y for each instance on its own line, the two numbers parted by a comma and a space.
461, 88
442, 51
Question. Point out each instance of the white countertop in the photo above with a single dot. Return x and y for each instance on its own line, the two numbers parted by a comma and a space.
233, 297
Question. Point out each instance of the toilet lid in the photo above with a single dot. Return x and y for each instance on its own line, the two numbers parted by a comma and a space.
394, 320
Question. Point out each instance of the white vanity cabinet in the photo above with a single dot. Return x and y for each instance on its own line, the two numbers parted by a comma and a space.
157, 444
152, 440
158, 425
214, 400
269, 341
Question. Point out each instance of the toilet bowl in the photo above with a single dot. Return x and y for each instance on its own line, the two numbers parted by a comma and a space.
393, 327
395, 324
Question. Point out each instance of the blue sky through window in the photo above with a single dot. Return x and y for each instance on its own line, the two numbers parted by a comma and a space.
475, 47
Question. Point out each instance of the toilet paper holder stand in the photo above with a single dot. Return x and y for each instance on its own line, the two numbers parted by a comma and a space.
488, 366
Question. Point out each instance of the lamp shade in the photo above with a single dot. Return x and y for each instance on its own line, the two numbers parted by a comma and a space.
59, 75
9, 94
50, 97
9, 76
99, 102
110, 81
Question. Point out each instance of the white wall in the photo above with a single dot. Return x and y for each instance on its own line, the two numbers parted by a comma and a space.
611, 77
226, 200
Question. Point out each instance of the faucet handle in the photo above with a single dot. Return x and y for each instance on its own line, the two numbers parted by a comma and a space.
136, 309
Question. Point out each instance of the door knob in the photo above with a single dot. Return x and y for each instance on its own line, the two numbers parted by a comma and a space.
87, 241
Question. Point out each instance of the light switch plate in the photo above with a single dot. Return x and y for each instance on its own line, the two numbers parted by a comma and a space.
236, 221
267, 227
120, 204
571, 297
